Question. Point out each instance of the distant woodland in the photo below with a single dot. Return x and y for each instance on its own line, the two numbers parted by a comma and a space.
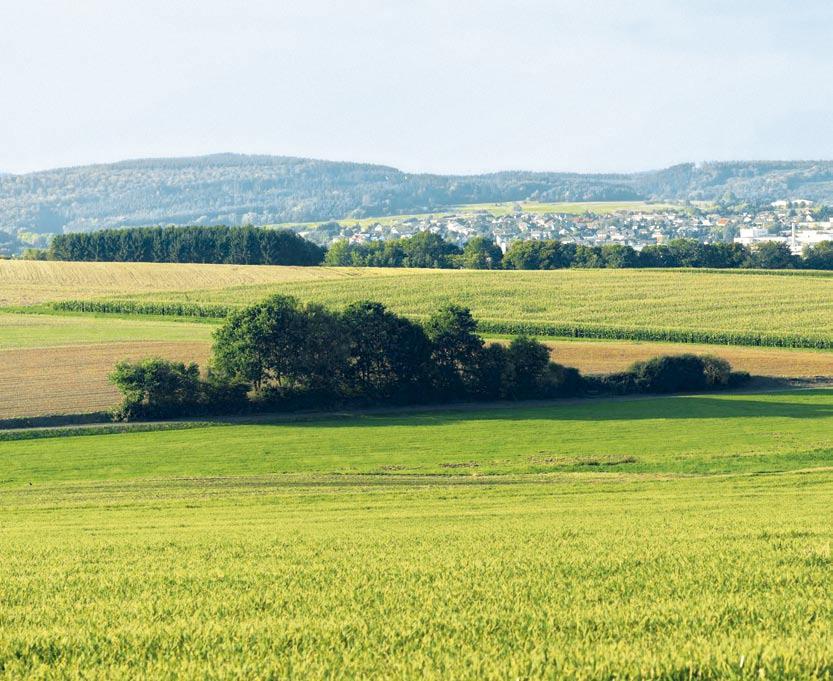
236, 189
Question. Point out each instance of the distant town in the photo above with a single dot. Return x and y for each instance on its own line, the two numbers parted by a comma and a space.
798, 223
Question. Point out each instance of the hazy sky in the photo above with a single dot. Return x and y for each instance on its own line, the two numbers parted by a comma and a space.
424, 85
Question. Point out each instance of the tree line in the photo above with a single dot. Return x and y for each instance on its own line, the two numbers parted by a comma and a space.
282, 354
258, 246
237, 245
547, 254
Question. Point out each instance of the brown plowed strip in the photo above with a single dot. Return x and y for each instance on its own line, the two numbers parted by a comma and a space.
607, 357
73, 379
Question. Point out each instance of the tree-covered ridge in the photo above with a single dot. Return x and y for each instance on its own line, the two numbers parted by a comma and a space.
238, 189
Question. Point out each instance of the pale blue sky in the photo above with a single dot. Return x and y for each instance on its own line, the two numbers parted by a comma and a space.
424, 85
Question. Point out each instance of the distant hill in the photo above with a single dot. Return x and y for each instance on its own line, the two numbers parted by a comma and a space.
235, 189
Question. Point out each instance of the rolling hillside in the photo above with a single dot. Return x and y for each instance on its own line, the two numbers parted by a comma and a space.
235, 189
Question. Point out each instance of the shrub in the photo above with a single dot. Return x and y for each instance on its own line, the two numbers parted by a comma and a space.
670, 373
738, 378
156, 388
717, 370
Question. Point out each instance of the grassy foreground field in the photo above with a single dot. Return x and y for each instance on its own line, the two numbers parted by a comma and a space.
702, 434
506, 543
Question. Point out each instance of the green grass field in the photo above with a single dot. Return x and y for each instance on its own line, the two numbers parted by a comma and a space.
504, 543
702, 434
44, 330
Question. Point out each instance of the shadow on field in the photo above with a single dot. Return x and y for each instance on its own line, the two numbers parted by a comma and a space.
622, 409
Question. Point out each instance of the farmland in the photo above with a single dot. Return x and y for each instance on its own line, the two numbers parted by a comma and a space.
647, 305
52, 365
25, 282
72, 379
637, 537
654, 537
740, 307
729, 306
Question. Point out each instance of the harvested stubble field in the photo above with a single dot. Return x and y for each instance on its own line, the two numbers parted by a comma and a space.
73, 379
677, 538
602, 357
27, 282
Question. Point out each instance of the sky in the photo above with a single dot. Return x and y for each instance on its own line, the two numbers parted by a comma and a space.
450, 86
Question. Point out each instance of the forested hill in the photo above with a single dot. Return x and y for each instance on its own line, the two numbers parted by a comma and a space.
235, 189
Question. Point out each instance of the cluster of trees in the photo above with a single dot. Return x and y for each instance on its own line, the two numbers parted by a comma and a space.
281, 353
431, 250
284, 353
238, 245
257, 246
421, 250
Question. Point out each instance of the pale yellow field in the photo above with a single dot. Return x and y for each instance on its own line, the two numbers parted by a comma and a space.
28, 282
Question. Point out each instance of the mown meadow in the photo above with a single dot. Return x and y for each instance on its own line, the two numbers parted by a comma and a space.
685, 537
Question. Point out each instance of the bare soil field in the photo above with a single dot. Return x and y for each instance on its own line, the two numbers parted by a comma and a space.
601, 357
73, 379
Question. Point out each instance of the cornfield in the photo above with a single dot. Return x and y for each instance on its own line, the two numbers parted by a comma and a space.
715, 307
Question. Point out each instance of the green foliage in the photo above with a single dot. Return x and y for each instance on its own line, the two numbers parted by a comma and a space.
819, 257
424, 250
527, 360
281, 343
155, 388
670, 374
455, 347
237, 245
481, 253
388, 356
35, 254
718, 371
144, 308
772, 255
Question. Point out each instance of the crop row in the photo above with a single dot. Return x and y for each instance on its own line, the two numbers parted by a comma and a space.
144, 308
558, 330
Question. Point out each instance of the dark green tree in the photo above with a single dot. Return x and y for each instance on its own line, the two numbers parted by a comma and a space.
772, 255
481, 253
455, 348
387, 356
